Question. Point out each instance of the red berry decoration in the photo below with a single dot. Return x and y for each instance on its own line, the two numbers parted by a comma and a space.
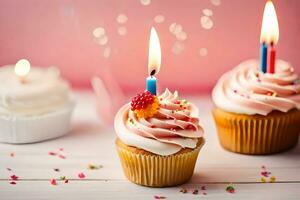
144, 104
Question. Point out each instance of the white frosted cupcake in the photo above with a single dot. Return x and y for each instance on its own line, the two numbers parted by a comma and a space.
38, 109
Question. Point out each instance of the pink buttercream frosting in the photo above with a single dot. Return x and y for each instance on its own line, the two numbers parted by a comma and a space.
175, 126
246, 90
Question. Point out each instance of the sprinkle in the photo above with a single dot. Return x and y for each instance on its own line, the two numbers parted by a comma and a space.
203, 187
235, 91
159, 197
53, 182
263, 179
204, 193
230, 189
62, 156
81, 175
93, 166
9, 169
52, 153
12, 154
177, 101
13, 183
56, 169
62, 178
265, 173
14, 177
272, 179
185, 101
67, 181
61, 149
263, 167
183, 190
195, 191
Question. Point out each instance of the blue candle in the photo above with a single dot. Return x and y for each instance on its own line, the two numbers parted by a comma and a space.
263, 57
151, 84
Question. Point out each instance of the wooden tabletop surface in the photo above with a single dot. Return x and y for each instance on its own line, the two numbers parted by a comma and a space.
91, 143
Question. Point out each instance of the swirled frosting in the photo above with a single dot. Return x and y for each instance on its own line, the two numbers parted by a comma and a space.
246, 90
174, 127
43, 92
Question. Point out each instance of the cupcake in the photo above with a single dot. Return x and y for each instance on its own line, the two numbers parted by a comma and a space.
255, 112
158, 139
33, 109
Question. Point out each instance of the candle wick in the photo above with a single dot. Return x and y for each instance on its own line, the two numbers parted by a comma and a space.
152, 72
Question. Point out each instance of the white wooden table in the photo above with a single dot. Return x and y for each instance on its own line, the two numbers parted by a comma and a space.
89, 142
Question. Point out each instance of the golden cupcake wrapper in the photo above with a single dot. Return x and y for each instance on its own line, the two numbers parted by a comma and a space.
156, 170
256, 134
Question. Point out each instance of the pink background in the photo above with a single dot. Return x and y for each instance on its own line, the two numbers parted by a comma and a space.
59, 32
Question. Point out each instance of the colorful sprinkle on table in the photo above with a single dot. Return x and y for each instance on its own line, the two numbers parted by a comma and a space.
62, 156
183, 190
53, 182
195, 191
94, 167
266, 174
56, 169
14, 177
81, 175
272, 179
159, 197
51, 153
13, 183
230, 189
12, 154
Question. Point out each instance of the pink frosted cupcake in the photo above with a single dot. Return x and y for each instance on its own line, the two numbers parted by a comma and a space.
158, 144
255, 112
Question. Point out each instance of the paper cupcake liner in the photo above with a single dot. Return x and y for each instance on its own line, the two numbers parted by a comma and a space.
156, 170
29, 129
257, 134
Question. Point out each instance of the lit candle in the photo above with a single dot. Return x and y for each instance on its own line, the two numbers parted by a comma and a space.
154, 61
22, 69
269, 37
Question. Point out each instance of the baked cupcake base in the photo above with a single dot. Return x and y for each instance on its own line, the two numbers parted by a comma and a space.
148, 169
257, 134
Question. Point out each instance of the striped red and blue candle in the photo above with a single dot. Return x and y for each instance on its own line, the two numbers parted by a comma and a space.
269, 37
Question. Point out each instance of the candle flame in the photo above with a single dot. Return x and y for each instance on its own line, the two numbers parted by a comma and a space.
22, 68
269, 29
154, 59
